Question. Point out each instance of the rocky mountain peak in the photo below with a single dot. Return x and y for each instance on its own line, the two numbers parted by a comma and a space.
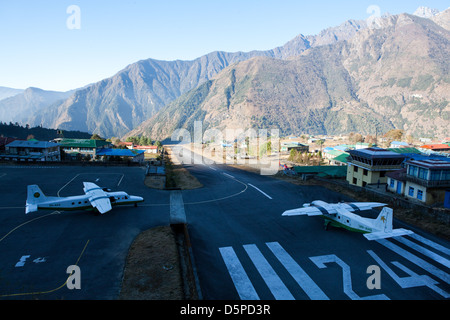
425, 12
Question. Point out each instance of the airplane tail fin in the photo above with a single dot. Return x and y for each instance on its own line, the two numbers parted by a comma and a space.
384, 220
34, 197
384, 224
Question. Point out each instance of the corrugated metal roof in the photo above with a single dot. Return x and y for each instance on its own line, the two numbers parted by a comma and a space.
83, 143
119, 152
32, 144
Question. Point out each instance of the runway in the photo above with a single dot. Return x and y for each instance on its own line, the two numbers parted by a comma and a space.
243, 248
37, 249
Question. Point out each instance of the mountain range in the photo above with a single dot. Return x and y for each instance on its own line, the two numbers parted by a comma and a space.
355, 77
19, 105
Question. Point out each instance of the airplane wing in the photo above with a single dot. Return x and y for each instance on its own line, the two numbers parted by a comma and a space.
384, 235
309, 211
97, 197
362, 206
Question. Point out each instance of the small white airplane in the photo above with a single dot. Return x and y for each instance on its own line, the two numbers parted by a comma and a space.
101, 199
341, 215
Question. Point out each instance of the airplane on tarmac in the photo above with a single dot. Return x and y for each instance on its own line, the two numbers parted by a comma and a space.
101, 199
341, 215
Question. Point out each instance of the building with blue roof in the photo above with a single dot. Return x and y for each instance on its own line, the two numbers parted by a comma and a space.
31, 150
125, 154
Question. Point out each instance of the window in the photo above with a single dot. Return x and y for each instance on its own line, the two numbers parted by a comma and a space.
412, 171
355, 169
445, 175
435, 175
420, 194
365, 172
392, 184
411, 192
423, 174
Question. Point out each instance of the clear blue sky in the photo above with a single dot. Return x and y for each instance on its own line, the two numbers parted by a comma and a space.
38, 49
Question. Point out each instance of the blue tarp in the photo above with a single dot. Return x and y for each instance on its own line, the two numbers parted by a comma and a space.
119, 152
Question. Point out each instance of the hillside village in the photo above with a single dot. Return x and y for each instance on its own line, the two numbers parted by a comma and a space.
199, 174
416, 169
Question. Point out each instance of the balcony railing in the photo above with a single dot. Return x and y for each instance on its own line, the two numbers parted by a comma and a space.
428, 183
375, 167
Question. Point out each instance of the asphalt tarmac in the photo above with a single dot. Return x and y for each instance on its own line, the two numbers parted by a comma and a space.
36, 249
243, 247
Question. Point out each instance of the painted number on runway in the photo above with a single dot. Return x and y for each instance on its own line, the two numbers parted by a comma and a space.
25, 258
279, 290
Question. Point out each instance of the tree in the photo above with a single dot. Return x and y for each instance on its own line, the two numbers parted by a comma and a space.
95, 136
355, 137
394, 135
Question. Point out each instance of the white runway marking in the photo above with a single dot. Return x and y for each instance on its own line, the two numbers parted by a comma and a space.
276, 286
302, 278
228, 175
260, 191
416, 260
431, 244
240, 279
21, 262
424, 251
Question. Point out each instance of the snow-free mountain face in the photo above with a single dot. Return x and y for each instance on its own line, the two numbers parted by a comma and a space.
22, 103
114, 106
393, 74
8, 92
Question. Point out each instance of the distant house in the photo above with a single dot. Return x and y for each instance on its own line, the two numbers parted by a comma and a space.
399, 144
147, 149
331, 153
369, 166
340, 160
396, 181
287, 147
438, 147
321, 171
83, 147
124, 154
427, 180
31, 150
3, 142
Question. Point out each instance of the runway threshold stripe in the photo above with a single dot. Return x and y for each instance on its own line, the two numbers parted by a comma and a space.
240, 279
430, 243
276, 286
416, 260
302, 278
445, 262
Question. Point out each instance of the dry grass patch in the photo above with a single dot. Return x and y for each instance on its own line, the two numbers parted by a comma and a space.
152, 270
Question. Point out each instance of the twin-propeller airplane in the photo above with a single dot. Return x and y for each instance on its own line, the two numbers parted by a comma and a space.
101, 199
341, 215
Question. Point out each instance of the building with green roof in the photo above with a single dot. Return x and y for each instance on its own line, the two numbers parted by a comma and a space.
82, 147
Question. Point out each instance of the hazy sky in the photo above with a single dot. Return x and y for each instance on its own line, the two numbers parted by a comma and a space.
63, 45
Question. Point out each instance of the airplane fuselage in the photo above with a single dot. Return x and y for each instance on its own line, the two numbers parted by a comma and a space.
350, 221
82, 202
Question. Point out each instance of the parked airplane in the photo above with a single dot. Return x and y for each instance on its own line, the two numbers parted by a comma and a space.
341, 215
101, 199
